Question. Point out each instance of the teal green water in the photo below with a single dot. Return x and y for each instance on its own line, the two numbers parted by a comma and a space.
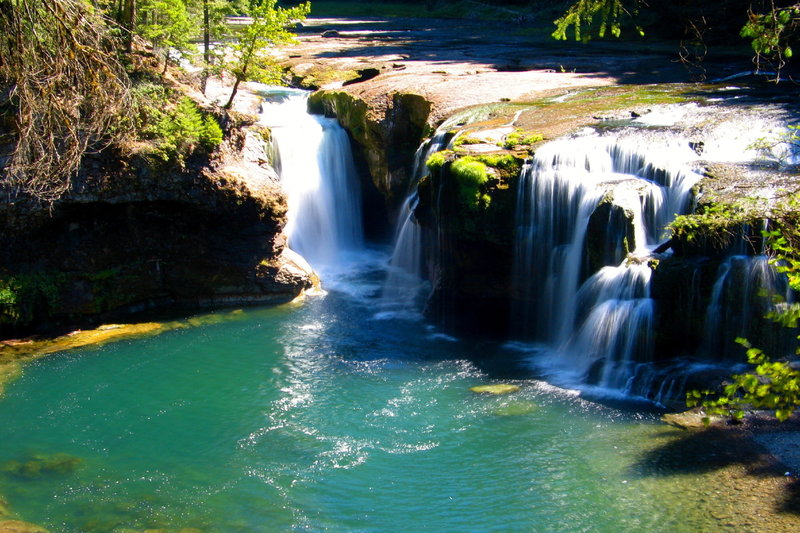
322, 418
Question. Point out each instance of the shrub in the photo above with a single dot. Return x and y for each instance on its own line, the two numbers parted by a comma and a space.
177, 133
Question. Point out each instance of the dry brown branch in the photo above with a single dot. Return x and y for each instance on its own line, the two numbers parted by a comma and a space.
69, 92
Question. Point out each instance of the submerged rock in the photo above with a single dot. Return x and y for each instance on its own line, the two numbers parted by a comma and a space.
5, 510
518, 408
500, 388
42, 465
18, 526
691, 419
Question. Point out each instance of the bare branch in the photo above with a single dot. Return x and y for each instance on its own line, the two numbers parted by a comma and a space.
69, 92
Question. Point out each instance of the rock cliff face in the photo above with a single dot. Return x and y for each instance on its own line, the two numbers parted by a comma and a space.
386, 138
132, 235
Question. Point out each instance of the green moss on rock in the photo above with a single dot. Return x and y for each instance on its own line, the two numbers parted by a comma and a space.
470, 176
499, 388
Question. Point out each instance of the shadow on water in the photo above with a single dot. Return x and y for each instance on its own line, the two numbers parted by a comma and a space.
703, 451
713, 450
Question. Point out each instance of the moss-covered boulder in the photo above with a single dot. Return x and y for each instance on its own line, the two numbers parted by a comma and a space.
468, 201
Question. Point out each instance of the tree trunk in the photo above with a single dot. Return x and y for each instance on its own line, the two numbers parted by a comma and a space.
206, 45
233, 93
129, 22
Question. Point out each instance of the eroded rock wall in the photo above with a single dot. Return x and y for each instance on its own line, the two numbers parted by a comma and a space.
386, 136
134, 235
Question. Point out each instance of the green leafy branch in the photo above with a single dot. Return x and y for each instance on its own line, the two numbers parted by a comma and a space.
770, 34
584, 15
772, 385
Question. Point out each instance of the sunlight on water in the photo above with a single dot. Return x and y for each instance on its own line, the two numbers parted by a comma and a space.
318, 418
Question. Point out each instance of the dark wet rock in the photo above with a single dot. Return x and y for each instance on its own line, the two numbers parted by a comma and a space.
133, 236
385, 140
363, 75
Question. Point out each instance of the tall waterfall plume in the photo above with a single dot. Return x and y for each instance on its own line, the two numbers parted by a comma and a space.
314, 161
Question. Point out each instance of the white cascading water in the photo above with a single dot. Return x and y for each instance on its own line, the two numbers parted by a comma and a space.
746, 289
405, 277
602, 327
314, 162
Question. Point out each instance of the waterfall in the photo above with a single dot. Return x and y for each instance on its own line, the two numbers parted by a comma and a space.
597, 329
746, 289
407, 274
314, 161
406, 277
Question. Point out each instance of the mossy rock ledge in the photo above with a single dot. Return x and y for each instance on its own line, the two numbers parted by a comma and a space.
131, 236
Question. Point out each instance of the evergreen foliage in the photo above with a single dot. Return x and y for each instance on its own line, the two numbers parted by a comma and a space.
69, 92
176, 133
601, 16
168, 25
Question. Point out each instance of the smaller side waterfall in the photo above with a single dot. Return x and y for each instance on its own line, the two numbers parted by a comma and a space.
746, 289
406, 277
314, 161
408, 274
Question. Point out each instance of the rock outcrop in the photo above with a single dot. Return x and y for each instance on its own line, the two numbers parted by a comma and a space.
386, 137
133, 235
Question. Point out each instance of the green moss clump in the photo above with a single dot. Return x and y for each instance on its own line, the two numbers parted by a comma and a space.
521, 138
437, 160
508, 164
470, 176
466, 139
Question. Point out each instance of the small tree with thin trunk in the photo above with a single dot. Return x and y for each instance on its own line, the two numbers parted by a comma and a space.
168, 25
215, 28
250, 55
